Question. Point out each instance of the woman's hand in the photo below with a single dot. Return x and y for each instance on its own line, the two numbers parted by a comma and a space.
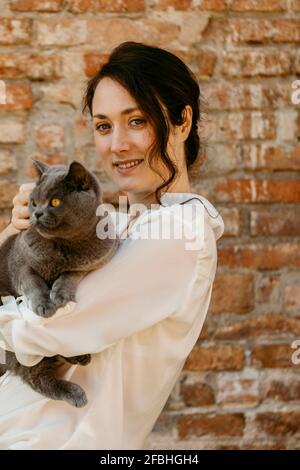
20, 211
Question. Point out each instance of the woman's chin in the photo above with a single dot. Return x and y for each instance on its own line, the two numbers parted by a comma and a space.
127, 186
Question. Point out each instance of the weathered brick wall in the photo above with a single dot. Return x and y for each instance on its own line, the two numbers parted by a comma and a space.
239, 387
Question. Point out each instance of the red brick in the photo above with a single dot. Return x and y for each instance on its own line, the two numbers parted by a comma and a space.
204, 5
263, 191
241, 392
165, 424
243, 299
55, 158
174, 4
286, 126
232, 222
206, 63
297, 63
241, 126
18, 96
267, 289
197, 394
276, 222
226, 357
258, 5
65, 31
8, 162
273, 356
202, 62
12, 131
263, 445
279, 423
198, 425
83, 134
219, 159
295, 5
50, 137
15, 31
262, 326
33, 66
242, 96
37, 5
93, 61
8, 190
113, 31
257, 63
66, 91
102, 6
260, 256
217, 31
212, 5
281, 391
270, 157
265, 31
291, 297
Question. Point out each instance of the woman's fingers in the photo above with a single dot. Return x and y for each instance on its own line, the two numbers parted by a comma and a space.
22, 197
20, 224
20, 211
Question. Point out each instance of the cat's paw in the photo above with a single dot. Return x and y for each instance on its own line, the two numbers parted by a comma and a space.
75, 395
82, 360
45, 309
60, 296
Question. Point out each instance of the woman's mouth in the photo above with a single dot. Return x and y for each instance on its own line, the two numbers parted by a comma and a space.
127, 167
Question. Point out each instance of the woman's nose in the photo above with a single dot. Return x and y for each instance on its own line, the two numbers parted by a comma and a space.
120, 140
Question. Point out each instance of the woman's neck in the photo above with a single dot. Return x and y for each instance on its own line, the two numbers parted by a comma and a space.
181, 185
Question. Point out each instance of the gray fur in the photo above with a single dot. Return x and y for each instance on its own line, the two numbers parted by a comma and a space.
47, 261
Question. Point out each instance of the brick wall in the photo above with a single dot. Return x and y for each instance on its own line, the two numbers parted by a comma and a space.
239, 387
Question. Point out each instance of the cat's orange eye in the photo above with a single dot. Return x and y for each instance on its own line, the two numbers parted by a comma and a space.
33, 202
55, 202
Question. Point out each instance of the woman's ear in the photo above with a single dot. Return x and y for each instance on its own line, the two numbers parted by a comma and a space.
185, 127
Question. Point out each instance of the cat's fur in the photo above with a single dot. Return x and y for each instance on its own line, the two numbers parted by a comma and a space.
47, 261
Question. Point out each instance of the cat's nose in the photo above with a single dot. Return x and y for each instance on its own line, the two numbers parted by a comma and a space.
38, 214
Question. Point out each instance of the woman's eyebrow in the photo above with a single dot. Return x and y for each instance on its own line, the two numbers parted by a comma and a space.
125, 111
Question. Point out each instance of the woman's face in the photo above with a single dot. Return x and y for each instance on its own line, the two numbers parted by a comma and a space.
123, 135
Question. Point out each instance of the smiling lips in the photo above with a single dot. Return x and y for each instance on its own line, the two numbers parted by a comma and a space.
127, 166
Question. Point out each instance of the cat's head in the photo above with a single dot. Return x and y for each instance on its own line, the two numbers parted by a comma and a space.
64, 201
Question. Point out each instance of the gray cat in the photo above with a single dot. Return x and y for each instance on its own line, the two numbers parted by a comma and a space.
47, 261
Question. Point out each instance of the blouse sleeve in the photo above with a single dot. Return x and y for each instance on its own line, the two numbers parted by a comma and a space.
144, 283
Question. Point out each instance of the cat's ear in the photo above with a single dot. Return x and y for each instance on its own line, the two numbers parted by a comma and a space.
78, 174
40, 167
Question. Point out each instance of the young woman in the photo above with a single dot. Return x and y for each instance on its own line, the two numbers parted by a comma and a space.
141, 314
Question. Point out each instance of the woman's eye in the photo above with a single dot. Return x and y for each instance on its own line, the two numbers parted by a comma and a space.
138, 121
55, 202
101, 128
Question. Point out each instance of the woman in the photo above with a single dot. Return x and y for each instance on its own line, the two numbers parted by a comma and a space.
141, 314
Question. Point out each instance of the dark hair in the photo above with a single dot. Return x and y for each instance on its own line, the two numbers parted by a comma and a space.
155, 77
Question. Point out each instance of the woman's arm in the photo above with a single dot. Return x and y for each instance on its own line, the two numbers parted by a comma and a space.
7, 232
143, 284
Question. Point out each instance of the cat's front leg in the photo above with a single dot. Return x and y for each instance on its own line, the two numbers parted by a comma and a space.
36, 290
65, 286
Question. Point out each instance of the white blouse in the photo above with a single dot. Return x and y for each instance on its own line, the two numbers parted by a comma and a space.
139, 315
